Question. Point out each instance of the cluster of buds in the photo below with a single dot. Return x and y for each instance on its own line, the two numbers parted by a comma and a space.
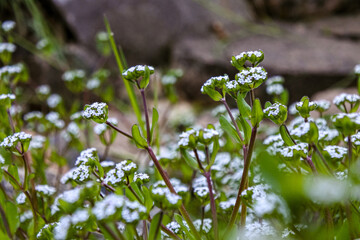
254, 57
97, 112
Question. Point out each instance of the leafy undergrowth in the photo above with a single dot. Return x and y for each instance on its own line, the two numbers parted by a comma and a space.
252, 175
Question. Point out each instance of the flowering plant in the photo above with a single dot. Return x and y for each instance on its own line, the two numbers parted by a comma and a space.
259, 172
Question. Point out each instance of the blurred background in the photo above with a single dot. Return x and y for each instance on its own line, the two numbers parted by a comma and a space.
314, 44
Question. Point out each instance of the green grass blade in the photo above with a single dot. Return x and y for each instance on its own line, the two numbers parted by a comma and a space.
129, 88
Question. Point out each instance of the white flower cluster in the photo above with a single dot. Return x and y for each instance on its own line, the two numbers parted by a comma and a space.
215, 82
72, 131
11, 141
252, 75
70, 76
34, 115
184, 137
11, 70
344, 97
200, 134
357, 69
163, 195
21, 198
80, 174
54, 100
43, 89
135, 70
112, 204
336, 152
248, 54
42, 44
141, 177
54, 119
2, 159
205, 225
117, 175
227, 205
326, 190
8, 25
301, 130
7, 96
89, 154
95, 110
37, 142
323, 104
274, 109
45, 190
275, 89
62, 228
355, 139
69, 196
7, 47
93, 83
45, 227
105, 164
168, 80
179, 187
26, 216
174, 227
291, 151
354, 117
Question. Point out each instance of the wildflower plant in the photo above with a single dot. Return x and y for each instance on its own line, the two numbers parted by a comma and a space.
258, 173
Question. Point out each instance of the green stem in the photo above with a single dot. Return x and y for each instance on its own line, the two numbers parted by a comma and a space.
243, 179
111, 232
159, 224
118, 130
212, 204
147, 122
166, 179
322, 159
5, 221
349, 145
232, 118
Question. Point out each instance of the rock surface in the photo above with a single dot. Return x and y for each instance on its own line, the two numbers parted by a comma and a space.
312, 55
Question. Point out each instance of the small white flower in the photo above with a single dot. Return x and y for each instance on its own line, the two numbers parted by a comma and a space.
43, 89
7, 47
336, 152
344, 97
8, 25
37, 142
45, 189
70, 76
93, 83
21, 198
54, 100
357, 69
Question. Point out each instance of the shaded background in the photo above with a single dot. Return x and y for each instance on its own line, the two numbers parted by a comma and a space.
314, 44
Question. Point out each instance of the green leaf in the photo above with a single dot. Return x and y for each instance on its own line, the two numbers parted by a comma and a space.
28, 180
215, 95
244, 108
229, 128
191, 161
246, 128
215, 149
257, 113
178, 218
13, 170
146, 79
12, 216
155, 228
147, 198
154, 123
137, 191
140, 141
285, 136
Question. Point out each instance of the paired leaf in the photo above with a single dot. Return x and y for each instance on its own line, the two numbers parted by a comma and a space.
154, 124
140, 141
285, 136
257, 113
229, 128
243, 106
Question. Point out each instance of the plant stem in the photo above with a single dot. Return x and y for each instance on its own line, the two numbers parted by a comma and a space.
309, 161
198, 160
349, 151
167, 230
5, 221
166, 179
147, 122
145, 230
212, 205
323, 159
243, 179
232, 118
110, 188
113, 235
118, 130
159, 224
10, 120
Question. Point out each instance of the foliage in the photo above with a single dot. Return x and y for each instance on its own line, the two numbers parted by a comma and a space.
242, 178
